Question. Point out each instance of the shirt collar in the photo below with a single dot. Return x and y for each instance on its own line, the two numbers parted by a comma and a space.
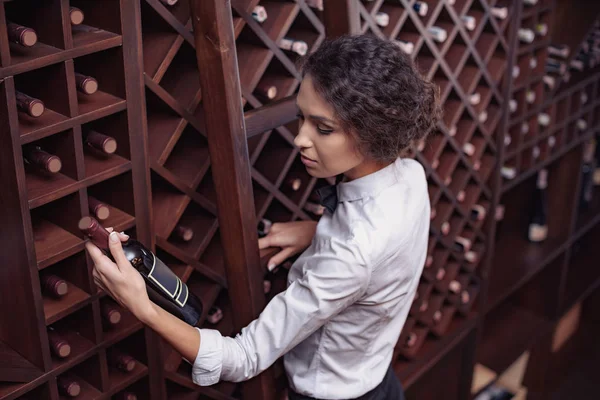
368, 185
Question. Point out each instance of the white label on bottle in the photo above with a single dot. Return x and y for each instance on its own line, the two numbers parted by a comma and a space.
526, 35
382, 19
499, 12
439, 35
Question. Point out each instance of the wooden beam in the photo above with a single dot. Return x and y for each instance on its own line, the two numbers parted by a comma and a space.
341, 17
225, 129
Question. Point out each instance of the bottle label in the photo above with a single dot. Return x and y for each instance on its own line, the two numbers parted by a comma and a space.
168, 282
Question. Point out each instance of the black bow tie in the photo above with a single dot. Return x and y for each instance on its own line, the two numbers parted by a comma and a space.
328, 197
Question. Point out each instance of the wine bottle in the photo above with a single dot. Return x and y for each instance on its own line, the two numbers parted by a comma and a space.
314, 208
478, 212
60, 347
549, 81
99, 209
382, 19
86, 84
507, 140
68, 386
259, 13
581, 124
411, 340
530, 96
405, 46
512, 105
454, 286
551, 141
21, 35
265, 92
264, 227
103, 143
293, 184
583, 97
559, 50
35, 156
524, 128
438, 34
164, 287
469, 21
543, 119
526, 35
215, 314
297, 46
483, 116
554, 66
54, 286
317, 4
29, 105
110, 314
183, 233
126, 396
462, 244
538, 226
541, 29
121, 361
76, 16
533, 62
169, 2
516, 71
499, 12
437, 316
421, 8
475, 98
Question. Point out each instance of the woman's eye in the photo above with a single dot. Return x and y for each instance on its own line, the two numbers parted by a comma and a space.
324, 129
300, 116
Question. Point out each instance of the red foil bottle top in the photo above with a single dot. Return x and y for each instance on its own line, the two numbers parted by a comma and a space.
96, 232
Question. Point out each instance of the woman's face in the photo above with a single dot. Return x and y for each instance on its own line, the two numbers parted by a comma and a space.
326, 150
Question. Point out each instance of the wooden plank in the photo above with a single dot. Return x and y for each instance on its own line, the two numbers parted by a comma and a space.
271, 116
219, 81
341, 17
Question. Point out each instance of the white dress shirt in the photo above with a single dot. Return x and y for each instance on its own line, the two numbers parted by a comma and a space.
348, 294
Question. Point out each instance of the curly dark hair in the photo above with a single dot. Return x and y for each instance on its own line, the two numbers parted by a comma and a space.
376, 92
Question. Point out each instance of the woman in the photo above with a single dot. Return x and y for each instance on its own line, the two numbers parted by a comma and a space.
362, 104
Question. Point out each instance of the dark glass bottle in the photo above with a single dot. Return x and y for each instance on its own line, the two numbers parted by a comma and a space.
538, 225
164, 287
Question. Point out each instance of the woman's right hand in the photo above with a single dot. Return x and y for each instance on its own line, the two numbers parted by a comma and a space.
292, 237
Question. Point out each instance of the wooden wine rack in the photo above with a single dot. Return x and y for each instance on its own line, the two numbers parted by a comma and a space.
166, 95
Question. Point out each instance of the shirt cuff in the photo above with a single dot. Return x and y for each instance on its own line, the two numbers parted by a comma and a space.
209, 360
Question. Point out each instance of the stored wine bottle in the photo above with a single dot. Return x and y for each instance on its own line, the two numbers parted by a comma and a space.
29, 105
314, 208
264, 227
541, 29
421, 8
516, 71
438, 34
530, 96
411, 340
54, 286
183, 233
76, 16
101, 142
526, 35
475, 98
454, 286
86, 84
110, 314
469, 21
126, 396
583, 97
533, 62
293, 184
99, 209
35, 156
538, 226
215, 314
382, 19
68, 386
259, 13
297, 46
549, 81
554, 66
121, 361
164, 287
581, 124
405, 46
20, 34
60, 347
478, 212
499, 12
265, 92
169, 2
559, 50
512, 105
543, 119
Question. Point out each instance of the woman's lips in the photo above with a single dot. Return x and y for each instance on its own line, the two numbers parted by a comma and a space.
307, 161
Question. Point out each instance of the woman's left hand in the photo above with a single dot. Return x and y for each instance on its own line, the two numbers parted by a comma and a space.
120, 280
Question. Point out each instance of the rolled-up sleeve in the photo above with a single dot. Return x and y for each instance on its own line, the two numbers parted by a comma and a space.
335, 276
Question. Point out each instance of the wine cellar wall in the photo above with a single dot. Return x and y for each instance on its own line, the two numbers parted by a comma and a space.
118, 109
